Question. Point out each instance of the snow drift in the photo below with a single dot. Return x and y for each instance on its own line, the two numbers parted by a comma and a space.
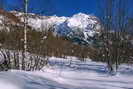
68, 74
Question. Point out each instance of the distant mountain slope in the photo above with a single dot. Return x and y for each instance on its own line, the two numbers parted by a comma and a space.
9, 16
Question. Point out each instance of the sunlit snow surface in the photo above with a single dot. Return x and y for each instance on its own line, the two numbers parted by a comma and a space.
68, 74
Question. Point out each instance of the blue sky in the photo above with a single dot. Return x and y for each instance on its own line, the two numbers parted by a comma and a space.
61, 7
58, 7
69, 7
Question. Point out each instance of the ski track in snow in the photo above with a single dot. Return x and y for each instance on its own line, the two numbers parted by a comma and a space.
61, 75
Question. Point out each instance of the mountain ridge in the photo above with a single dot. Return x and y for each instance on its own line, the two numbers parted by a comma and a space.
79, 26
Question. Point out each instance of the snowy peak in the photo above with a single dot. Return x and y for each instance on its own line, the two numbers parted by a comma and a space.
80, 27
87, 23
81, 20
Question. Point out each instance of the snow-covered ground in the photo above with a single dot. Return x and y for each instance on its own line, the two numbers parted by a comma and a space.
68, 74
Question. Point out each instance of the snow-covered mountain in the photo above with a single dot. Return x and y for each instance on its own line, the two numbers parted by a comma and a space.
80, 27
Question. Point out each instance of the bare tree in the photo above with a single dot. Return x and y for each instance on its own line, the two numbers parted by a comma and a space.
114, 19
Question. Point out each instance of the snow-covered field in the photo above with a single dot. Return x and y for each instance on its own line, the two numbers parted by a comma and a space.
68, 74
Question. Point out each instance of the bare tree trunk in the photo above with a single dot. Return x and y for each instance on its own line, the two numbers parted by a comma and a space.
115, 22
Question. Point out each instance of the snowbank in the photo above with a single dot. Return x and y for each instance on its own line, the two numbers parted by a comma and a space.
68, 74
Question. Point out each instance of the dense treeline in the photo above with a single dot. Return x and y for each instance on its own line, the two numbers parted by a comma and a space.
43, 43
46, 43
